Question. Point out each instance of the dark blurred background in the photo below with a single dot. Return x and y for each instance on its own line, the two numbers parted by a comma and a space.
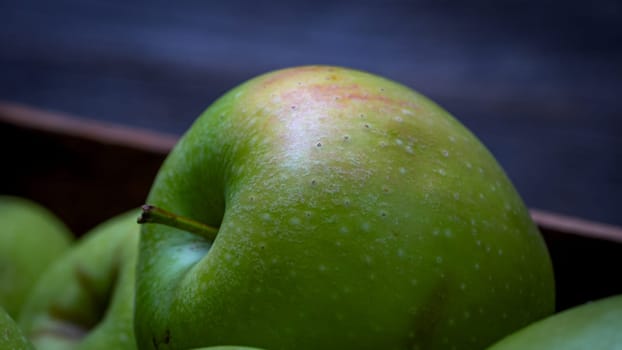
539, 82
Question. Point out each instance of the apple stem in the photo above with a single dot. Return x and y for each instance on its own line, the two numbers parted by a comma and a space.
155, 215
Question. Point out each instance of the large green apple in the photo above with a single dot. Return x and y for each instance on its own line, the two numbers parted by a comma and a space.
31, 237
595, 325
352, 213
85, 300
11, 337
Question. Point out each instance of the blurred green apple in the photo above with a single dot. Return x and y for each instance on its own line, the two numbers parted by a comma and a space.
31, 238
11, 336
85, 300
595, 325
327, 208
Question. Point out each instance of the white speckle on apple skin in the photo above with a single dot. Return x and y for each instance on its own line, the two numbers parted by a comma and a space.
365, 227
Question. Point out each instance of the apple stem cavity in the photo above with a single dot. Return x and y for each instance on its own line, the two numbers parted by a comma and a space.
155, 215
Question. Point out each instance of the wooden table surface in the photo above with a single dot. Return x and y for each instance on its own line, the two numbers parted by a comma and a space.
538, 81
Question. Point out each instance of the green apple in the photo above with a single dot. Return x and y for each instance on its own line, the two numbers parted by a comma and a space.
327, 208
31, 237
85, 300
595, 325
11, 336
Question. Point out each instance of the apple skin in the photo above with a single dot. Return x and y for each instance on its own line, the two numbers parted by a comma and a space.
595, 325
85, 299
353, 213
23, 255
11, 336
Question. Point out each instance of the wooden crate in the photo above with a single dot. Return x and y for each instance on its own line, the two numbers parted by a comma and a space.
87, 171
